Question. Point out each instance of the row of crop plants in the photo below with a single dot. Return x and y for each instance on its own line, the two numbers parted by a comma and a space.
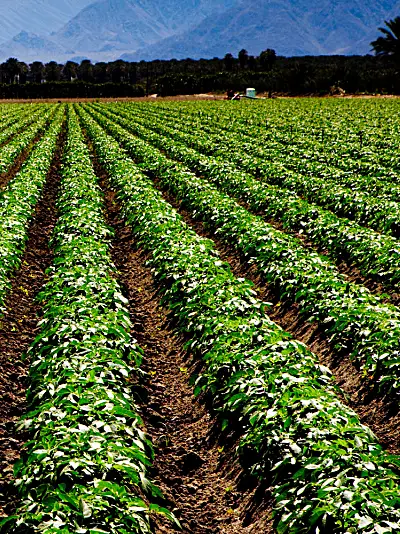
85, 468
380, 214
11, 123
355, 320
31, 127
329, 139
330, 475
375, 254
359, 139
260, 149
18, 201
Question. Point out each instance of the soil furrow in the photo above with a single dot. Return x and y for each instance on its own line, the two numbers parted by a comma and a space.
344, 266
379, 412
6, 177
198, 475
18, 328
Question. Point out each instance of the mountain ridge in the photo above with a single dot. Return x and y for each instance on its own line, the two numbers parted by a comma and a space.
36, 16
255, 28
133, 30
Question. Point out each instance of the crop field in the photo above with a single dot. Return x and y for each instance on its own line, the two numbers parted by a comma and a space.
199, 317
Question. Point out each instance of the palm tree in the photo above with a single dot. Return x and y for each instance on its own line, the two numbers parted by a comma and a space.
389, 45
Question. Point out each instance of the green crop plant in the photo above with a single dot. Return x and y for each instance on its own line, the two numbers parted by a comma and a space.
18, 201
330, 475
375, 254
10, 151
356, 321
84, 469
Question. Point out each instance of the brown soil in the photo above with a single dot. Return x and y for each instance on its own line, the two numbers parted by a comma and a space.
344, 267
380, 413
18, 328
199, 476
6, 177
201, 96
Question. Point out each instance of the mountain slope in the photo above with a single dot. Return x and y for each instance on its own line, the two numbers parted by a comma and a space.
291, 27
36, 16
31, 47
148, 29
131, 24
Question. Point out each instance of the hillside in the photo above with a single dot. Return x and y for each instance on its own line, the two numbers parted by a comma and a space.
144, 29
36, 16
291, 27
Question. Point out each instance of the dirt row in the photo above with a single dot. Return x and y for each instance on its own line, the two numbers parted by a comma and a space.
18, 328
198, 474
379, 412
6, 177
344, 266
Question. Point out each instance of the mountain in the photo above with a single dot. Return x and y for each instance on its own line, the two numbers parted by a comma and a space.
36, 16
133, 30
130, 24
30, 46
291, 27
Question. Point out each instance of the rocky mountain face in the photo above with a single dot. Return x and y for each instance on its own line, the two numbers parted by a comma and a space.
131, 24
146, 29
291, 27
30, 46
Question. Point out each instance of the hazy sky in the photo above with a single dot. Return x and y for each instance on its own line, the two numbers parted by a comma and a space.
36, 16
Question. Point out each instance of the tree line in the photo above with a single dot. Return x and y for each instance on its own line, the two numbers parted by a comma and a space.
267, 72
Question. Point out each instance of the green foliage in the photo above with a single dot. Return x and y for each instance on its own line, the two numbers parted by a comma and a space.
33, 125
19, 198
84, 469
355, 320
330, 473
389, 44
370, 201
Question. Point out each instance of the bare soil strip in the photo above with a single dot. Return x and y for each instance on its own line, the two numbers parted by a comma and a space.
6, 177
198, 475
344, 267
380, 413
18, 329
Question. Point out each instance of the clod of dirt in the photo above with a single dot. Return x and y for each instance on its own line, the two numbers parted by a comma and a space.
191, 462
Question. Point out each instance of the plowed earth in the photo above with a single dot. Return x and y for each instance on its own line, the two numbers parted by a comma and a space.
380, 413
199, 476
196, 468
18, 329
6, 177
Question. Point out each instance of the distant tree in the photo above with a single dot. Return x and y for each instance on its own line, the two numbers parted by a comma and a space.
132, 72
229, 61
52, 71
69, 71
85, 71
101, 72
252, 62
267, 59
243, 57
23, 72
12, 69
118, 70
36, 70
389, 45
